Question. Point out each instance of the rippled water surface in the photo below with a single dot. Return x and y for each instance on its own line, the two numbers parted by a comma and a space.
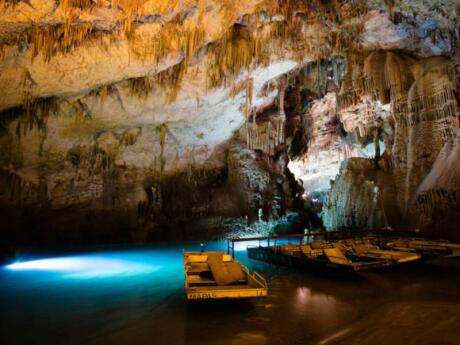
136, 296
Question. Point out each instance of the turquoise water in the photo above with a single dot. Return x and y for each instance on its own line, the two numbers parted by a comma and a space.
88, 296
136, 296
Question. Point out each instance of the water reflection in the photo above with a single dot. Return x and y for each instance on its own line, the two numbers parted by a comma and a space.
320, 304
137, 296
87, 266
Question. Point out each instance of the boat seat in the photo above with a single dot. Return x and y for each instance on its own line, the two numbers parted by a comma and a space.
316, 252
321, 245
316, 245
289, 249
226, 273
291, 246
197, 258
336, 256
362, 248
197, 267
306, 249
399, 243
199, 280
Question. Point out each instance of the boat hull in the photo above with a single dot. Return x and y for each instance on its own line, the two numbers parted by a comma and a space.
268, 255
226, 278
225, 294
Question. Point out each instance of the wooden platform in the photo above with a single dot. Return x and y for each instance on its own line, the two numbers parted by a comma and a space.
327, 260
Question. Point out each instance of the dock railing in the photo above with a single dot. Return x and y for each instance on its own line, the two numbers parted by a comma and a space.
309, 235
261, 279
337, 235
256, 277
268, 239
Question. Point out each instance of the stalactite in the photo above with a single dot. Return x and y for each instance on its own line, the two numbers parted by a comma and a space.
170, 79
265, 136
103, 93
192, 40
162, 147
21, 191
81, 110
201, 9
63, 38
238, 87
65, 5
33, 114
385, 76
345, 38
140, 87
13, 3
249, 95
282, 94
171, 38
390, 6
238, 48
228, 57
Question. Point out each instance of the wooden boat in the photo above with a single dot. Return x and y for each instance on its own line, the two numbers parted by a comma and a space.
427, 249
317, 256
368, 249
216, 275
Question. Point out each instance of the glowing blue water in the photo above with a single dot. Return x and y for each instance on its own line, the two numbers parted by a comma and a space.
157, 269
47, 295
89, 266
136, 296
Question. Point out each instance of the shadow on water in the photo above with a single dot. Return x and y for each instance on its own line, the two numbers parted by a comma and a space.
207, 309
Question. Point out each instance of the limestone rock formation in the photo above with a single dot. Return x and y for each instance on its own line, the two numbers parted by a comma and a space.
152, 112
425, 116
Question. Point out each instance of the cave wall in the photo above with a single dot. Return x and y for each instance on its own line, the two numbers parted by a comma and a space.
376, 150
155, 112
424, 117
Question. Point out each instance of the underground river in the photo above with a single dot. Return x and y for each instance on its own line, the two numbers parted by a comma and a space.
135, 295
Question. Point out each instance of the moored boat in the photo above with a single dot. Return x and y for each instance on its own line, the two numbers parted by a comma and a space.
216, 275
367, 249
317, 256
426, 248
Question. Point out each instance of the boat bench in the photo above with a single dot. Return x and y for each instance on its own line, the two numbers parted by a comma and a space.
198, 267
199, 280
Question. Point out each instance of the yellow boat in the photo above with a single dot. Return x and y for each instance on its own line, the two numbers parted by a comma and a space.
368, 249
427, 249
217, 275
317, 256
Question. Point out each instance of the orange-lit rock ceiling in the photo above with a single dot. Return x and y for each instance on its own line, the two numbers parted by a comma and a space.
114, 105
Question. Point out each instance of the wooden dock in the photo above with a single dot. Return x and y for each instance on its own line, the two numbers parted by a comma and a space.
268, 239
308, 236
337, 250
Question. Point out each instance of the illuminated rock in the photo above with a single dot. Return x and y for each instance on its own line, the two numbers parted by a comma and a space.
134, 107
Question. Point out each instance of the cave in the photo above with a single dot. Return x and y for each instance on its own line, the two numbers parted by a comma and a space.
133, 132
